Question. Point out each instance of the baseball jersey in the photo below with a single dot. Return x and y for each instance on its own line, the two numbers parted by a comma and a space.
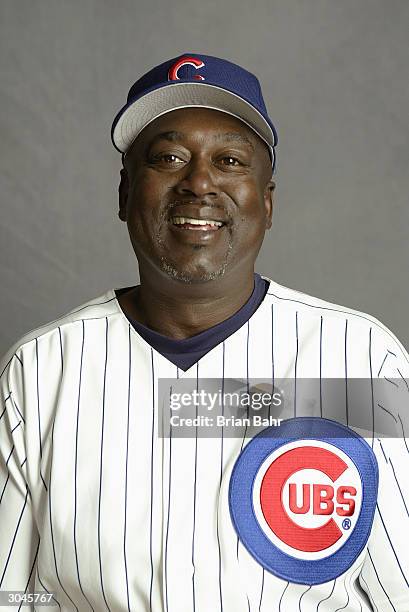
101, 511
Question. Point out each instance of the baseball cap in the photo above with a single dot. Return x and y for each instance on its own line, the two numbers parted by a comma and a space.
194, 80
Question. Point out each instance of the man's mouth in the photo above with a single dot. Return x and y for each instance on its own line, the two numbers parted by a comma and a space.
190, 223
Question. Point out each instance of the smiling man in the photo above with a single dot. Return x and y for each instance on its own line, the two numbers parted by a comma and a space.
100, 509
196, 193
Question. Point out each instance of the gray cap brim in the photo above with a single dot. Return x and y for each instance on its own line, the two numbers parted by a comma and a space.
135, 116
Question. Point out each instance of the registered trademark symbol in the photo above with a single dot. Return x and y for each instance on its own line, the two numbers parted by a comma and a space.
346, 523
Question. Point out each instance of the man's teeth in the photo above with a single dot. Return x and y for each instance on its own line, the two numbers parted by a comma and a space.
182, 220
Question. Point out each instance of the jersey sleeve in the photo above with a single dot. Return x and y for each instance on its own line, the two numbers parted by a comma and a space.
19, 537
385, 573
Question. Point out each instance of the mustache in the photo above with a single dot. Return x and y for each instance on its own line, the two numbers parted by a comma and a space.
202, 202
196, 201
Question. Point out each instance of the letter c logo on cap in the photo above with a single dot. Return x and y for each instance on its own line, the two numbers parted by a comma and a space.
173, 74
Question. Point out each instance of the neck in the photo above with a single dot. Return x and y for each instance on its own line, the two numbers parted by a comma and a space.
180, 310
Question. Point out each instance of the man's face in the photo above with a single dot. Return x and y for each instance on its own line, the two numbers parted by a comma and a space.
196, 164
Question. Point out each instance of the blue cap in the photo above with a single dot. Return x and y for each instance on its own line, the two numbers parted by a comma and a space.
193, 80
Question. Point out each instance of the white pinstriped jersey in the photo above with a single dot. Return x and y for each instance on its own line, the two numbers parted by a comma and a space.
101, 511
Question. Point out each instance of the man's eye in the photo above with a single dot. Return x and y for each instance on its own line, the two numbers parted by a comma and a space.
228, 160
168, 158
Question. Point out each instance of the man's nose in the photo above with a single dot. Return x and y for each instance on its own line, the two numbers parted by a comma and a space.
198, 179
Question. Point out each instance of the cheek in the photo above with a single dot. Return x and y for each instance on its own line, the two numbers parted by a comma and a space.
251, 217
250, 234
144, 206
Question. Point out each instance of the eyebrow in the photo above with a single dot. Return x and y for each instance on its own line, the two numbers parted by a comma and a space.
235, 137
174, 136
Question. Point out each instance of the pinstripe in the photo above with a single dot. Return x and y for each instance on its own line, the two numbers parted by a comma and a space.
400, 490
8, 473
352, 586
369, 593
403, 378
328, 596
151, 511
262, 590
31, 572
272, 355
11, 452
301, 596
390, 413
14, 404
5, 485
8, 458
6, 366
346, 591
169, 499
100, 463
1, 415
76, 467
245, 429
247, 372
392, 547
220, 485
295, 364
61, 352
383, 363
403, 433
50, 512
381, 585
372, 390
195, 499
282, 595
383, 452
346, 371
46, 590
92, 306
14, 537
62, 360
38, 412
126, 461
14, 428
9, 362
321, 325
38, 401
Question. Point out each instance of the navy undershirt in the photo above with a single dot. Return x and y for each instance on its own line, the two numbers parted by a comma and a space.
187, 351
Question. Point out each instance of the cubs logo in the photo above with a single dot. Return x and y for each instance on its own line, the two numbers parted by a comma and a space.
173, 74
302, 498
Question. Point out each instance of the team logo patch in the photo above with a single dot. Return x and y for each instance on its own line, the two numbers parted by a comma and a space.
302, 498
194, 62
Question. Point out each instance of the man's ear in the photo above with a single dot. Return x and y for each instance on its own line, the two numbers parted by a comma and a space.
123, 194
269, 202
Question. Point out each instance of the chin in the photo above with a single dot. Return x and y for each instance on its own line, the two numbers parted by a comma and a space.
191, 276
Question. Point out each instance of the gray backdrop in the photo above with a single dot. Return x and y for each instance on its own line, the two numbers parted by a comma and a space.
335, 79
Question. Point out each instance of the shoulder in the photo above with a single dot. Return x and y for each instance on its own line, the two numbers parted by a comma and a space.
314, 307
99, 307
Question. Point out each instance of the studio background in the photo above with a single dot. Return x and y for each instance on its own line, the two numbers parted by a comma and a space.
334, 77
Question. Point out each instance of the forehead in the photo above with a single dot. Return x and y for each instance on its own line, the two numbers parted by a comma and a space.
200, 123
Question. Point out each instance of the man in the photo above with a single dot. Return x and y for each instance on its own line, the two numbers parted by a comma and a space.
105, 512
